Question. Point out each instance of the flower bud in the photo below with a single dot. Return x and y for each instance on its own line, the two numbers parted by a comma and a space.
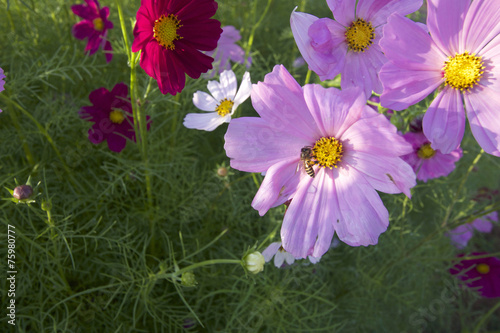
254, 262
222, 172
22, 192
188, 279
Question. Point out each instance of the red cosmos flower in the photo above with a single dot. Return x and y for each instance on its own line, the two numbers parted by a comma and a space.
94, 26
171, 34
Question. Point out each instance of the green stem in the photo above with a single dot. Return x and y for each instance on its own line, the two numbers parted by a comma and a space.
254, 28
308, 77
140, 119
201, 264
20, 133
457, 192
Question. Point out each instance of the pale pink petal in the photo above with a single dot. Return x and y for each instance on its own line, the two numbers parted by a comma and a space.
407, 45
289, 258
254, 145
377, 12
445, 19
440, 165
204, 121
280, 102
279, 258
278, 178
483, 224
460, 236
311, 210
481, 25
444, 121
363, 214
404, 87
482, 111
385, 174
204, 101
343, 11
333, 110
360, 70
375, 135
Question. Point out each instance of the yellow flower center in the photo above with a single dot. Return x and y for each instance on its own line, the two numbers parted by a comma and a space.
463, 71
98, 24
165, 31
360, 35
483, 268
327, 152
425, 152
225, 107
116, 116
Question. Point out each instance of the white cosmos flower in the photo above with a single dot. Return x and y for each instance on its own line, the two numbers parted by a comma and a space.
221, 105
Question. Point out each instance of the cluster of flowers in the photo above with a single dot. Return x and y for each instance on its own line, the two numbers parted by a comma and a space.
323, 151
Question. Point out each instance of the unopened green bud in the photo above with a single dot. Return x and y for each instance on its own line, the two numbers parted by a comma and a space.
254, 262
188, 279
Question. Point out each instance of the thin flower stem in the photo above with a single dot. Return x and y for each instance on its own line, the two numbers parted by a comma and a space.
308, 77
201, 264
15, 121
485, 317
140, 120
254, 28
459, 189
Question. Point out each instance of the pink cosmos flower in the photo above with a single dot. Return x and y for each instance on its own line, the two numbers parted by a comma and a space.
221, 106
427, 162
227, 50
348, 45
171, 35
2, 82
111, 113
352, 152
480, 274
95, 26
461, 235
460, 58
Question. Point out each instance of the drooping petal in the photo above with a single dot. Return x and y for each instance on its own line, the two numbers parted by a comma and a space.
311, 210
363, 214
278, 179
440, 165
204, 101
482, 111
445, 19
270, 251
116, 142
108, 50
444, 121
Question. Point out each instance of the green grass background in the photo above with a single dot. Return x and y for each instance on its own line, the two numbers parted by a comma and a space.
86, 264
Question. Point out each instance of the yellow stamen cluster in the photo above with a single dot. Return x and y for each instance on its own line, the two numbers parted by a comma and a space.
165, 31
327, 152
224, 107
360, 35
98, 24
463, 71
483, 268
425, 152
116, 116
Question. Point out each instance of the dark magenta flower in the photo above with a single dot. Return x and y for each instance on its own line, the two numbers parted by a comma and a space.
480, 274
94, 26
171, 35
111, 113
429, 163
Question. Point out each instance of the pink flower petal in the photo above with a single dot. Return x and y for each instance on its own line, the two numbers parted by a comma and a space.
445, 19
404, 87
116, 142
482, 111
444, 121
280, 177
311, 210
343, 11
481, 25
377, 12
270, 251
83, 29
363, 214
